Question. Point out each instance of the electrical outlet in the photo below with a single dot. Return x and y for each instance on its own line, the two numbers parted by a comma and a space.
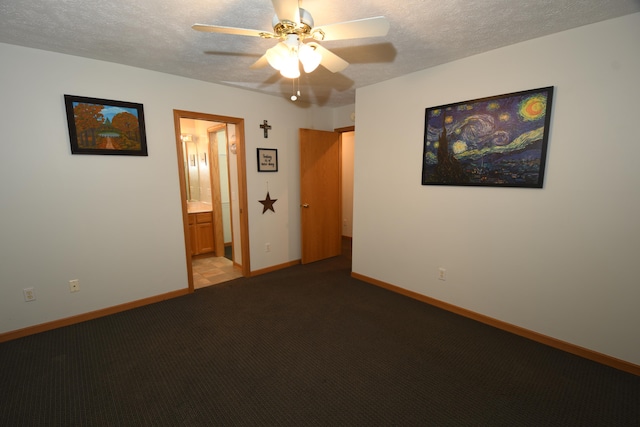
74, 285
29, 294
267, 247
442, 274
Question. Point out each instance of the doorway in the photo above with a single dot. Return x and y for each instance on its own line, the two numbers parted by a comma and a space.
347, 140
212, 176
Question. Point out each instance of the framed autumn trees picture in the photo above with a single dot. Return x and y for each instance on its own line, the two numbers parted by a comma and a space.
499, 141
101, 126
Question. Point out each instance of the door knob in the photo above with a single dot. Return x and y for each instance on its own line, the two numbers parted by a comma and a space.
305, 205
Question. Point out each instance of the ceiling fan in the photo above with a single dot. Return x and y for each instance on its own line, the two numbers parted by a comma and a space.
299, 39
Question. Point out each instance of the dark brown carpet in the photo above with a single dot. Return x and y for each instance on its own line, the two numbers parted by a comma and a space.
304, 346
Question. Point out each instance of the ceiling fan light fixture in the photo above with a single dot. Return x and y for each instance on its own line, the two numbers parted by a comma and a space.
289, 54
309, 57
290, 69
277, 55
293, 26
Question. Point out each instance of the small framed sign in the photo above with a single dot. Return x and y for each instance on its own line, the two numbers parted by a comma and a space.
267, 160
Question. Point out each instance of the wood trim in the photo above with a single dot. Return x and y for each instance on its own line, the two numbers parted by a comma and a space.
241, 155
345, 129
183, 199
517, 330
275, 268
43, 327
216, 127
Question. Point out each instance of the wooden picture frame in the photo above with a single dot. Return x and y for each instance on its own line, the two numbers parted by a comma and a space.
102, 126
499, 141
267, 160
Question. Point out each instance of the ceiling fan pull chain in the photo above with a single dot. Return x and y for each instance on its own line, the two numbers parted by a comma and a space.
294, 95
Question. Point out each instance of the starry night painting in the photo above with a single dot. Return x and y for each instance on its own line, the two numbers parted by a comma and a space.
498, 141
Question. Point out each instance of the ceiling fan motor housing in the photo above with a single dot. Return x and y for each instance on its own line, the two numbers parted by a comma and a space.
285, 27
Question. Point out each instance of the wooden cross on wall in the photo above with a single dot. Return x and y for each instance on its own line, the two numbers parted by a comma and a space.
265, 126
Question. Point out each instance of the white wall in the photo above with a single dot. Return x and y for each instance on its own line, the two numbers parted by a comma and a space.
348, 140
342, 116
561, 260
114, 222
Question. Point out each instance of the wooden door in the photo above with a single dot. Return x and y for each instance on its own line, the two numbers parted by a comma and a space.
216, 191
193, 235
320, 194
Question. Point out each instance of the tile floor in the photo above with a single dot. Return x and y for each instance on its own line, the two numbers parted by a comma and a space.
211, 270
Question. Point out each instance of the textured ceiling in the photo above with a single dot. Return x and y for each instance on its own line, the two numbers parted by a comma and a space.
157, 35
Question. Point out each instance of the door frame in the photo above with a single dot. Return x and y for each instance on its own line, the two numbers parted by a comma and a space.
242, 186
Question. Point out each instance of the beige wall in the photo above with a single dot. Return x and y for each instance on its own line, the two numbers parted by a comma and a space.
348, 139
115, 222
562, 260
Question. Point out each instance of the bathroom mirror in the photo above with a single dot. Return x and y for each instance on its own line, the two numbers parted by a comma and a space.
196, 167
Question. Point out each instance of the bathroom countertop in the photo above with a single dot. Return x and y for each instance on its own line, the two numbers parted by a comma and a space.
198, 207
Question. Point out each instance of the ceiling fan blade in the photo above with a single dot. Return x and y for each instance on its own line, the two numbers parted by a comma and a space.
330, 60
260, 63
368, 27
232, 30
287, 10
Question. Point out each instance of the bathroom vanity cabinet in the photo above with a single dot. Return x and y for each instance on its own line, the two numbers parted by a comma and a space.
201, 232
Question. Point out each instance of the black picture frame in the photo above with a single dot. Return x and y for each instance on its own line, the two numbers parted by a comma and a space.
267, 160
103, 126
498, 141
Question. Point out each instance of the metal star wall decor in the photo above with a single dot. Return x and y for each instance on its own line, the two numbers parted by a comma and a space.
268, 203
